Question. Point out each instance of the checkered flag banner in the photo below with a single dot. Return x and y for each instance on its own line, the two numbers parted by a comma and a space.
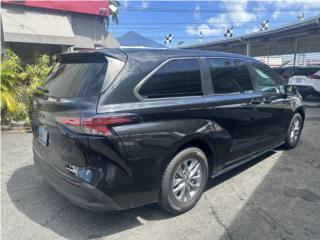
264, 25
168, 38
301, 16
229, 32
200, 36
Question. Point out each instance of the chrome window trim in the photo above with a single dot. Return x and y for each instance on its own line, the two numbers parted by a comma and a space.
149, 75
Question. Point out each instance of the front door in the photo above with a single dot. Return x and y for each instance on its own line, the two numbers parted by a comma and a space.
271, 113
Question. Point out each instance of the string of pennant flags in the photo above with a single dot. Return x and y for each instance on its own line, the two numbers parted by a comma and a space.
264, 26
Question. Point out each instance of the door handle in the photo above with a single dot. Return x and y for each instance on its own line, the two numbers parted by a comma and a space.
256, 101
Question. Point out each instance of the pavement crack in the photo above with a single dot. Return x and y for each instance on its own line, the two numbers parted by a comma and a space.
221, 223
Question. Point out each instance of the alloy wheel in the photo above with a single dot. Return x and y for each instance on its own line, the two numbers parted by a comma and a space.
295, 130
187, 180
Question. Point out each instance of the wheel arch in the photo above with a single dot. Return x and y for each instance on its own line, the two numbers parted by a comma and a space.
301, 111
204, 146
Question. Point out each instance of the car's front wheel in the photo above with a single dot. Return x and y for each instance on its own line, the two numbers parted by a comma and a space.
294, 131
184, 180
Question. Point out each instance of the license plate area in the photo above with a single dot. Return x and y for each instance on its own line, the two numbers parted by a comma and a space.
42, 135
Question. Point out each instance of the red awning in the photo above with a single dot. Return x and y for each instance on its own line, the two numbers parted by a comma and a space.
85, 7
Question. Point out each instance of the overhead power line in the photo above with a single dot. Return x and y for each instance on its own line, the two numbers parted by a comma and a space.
198, 23
189, 10
178, 28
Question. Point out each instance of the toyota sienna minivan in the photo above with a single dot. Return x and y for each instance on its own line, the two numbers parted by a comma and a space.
119, 128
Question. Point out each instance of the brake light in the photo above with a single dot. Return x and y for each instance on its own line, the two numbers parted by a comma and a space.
96, 125
72, 121
100, 125
314, 76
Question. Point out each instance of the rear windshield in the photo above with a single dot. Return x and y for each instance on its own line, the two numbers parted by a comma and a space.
305, 71
77, 77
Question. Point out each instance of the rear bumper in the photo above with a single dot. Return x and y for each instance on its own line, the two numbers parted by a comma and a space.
307, 90
80, 193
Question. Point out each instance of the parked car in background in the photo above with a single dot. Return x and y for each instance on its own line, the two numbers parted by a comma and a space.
307, 80
116, 129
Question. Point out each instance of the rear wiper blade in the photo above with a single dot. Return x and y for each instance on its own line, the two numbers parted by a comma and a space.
43, 89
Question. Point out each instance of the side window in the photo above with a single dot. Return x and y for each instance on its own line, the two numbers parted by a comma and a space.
230, 76
178, 77
266, 81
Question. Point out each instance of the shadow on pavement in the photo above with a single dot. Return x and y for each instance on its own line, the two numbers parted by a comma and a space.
43, 205
286, 204
228, 175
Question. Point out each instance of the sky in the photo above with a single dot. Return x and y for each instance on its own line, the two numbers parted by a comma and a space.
185, 19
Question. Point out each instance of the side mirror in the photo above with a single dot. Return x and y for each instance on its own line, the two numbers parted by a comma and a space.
290, 90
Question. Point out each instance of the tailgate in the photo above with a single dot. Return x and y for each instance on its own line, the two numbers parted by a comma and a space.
60, 147
71, 90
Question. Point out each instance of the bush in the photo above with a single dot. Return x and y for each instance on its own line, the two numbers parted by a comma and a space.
18, 82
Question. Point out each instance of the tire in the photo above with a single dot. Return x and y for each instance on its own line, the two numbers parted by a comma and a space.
290, 141
189, 168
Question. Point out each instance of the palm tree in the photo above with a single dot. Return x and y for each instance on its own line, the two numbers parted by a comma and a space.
12, 77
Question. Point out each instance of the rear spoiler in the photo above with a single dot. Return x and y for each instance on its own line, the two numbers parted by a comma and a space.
113, 53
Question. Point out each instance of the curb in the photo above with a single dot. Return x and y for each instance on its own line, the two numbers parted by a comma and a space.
16, 129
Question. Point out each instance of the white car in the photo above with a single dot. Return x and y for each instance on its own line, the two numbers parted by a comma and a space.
307, 80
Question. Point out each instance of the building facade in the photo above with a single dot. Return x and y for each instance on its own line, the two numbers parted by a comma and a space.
31, 28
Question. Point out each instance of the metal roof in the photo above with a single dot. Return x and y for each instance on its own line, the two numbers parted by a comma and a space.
301, 30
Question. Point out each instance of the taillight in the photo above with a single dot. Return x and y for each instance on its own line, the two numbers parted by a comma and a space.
100, 125
314, 76
97, 125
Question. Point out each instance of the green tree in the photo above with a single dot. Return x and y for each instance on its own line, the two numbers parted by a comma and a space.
18, 83
12, 78
37, 73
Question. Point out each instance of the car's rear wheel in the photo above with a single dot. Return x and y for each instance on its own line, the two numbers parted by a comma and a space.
294, 131
184, 180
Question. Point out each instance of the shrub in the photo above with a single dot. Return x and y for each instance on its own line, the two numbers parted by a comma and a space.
18, 82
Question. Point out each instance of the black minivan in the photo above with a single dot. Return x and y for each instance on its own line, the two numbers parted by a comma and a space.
119, 128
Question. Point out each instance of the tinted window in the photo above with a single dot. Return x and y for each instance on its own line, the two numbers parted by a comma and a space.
230, 76
176, 78
266, 80
76, 78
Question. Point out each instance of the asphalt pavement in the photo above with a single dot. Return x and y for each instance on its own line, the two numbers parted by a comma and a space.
276, 196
